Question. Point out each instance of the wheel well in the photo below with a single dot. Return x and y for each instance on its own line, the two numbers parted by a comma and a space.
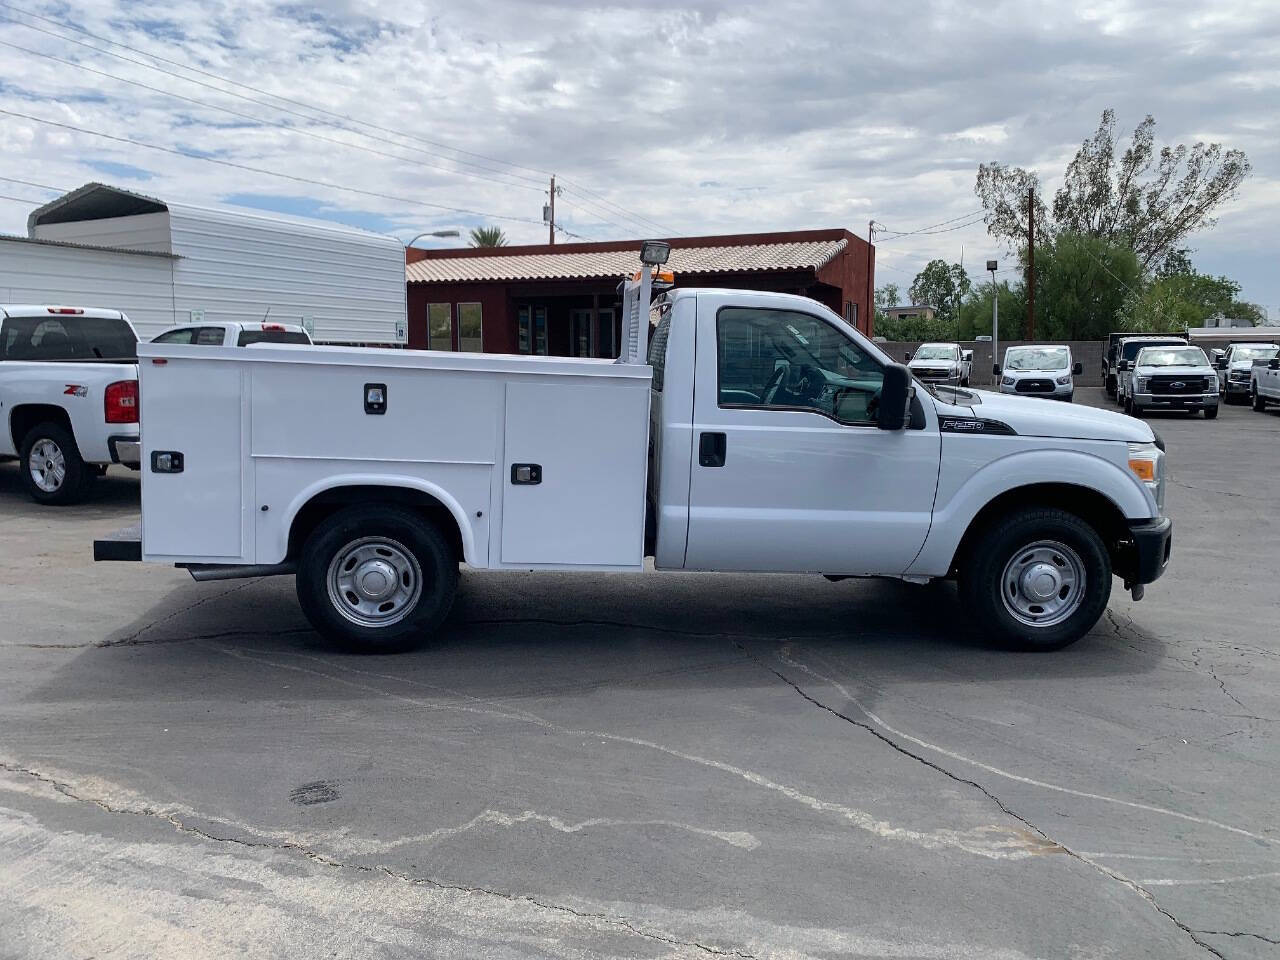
25, 416
328, 502
1089, 505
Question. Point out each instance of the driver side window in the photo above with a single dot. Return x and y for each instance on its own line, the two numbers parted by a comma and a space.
786, 360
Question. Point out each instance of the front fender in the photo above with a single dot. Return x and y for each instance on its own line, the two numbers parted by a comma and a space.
963, 491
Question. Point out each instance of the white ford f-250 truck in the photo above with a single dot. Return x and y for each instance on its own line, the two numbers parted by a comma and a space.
68, 396
1264, 383
763, 434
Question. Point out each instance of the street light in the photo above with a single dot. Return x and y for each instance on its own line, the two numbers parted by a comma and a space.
995, 321
433, 233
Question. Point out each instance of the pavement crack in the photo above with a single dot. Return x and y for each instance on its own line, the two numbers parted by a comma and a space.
67, 790
132, 638
1051, 845
1233, 933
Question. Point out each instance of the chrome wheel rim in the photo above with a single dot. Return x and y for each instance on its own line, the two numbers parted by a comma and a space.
1043, 584
374, 581
48, 466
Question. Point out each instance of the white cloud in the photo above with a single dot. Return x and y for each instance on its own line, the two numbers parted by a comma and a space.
710, 117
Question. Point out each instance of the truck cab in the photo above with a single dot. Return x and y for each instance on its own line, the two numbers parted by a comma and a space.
229, 333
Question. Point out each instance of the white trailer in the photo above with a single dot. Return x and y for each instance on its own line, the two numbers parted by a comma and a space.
764, 434
166, 263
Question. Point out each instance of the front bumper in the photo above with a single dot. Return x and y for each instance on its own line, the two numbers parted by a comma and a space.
1161, 401
1059, 392
125, 450
1237, 386
1152, 543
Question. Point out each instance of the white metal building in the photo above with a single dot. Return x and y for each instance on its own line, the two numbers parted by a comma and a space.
165, 263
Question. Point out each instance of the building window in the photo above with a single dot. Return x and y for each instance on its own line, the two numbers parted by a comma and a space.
607, 337
439, 326
580, 333
533, 330
851, 313
470, 328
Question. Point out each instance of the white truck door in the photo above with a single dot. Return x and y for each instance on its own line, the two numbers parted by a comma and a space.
790, 472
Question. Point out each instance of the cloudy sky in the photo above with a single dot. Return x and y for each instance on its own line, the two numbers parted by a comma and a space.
714, 116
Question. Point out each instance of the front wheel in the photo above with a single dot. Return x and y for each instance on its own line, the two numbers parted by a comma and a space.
375, 579
1211, 413
1259, 403
1038, 579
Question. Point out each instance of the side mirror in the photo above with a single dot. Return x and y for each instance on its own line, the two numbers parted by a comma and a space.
1122, 365
967, 356
1221, 363
1274, 363
995, 369
1077, 368
894, 411
906, 357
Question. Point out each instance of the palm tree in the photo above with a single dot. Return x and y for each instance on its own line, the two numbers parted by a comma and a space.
488, 237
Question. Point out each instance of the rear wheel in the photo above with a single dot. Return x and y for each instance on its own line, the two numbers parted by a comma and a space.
1111, 386
1038, 579
375, 579
52, 469
1259, 403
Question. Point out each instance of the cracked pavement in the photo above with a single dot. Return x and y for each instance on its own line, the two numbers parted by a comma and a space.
659, 766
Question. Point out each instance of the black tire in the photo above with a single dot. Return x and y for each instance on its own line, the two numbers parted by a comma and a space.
405, 537
1111, 386
1211, 413
76, 477
1128, 407
1259, 402
997, 549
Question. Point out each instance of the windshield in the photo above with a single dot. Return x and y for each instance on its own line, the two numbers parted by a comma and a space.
1263, 351
937, 351
1172, 357
1037, 358
1131, 347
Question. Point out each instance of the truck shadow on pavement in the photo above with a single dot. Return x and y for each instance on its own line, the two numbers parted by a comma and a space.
514, 635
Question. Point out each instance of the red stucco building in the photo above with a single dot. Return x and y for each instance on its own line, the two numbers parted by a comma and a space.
563, 300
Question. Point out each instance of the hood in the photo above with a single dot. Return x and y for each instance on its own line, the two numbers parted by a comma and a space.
1035, 417
1188, 370
932, 363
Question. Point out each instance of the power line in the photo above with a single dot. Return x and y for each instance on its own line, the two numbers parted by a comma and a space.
30, 183
581, 190
262, 120
240, 96
246, 86
271, 173
16, 199
930, 233
924, 230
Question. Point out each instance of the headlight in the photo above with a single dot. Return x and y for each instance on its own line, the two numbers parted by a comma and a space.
1063, 381
1007, 381
1141, 384
1146, 460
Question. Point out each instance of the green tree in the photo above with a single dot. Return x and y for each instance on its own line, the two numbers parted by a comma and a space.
1147, 200
488, 237
886, 297
1172, 303
975, 312
942, 286
916, 328
1081, 283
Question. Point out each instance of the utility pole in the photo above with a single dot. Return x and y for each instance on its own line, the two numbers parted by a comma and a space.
995, 322
1031, 263
869, 325
551, 224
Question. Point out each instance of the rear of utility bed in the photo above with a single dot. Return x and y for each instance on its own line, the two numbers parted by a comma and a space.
537, 461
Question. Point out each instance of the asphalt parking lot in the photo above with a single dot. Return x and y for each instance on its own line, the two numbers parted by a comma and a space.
660, 766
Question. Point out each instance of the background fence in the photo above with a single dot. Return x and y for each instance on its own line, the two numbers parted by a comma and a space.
1088, 353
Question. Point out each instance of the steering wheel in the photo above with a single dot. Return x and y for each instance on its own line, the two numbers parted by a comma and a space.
802, 385
873, 405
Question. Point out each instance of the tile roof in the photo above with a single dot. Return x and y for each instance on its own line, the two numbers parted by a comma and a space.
790, 255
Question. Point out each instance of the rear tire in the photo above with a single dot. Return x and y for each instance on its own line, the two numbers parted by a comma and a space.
1037, 579
1259, 402
1111, 386
375, 579
52, 469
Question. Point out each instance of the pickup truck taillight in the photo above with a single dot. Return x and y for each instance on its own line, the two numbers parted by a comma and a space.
121, 401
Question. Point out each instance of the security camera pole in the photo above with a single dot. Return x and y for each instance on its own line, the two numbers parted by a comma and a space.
995, 321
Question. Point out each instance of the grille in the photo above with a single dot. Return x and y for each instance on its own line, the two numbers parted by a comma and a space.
1034, 386
1176, 385
931, 373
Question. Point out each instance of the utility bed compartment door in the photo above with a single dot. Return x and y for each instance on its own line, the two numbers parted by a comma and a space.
193, 408
588, 443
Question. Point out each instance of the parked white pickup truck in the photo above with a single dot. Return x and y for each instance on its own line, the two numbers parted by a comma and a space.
945, 363
68, 396
763, 434
1264, 383
229, 333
